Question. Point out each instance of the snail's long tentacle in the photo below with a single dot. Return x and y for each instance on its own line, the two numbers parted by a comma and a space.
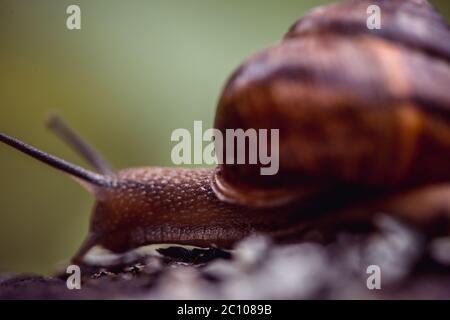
86, 177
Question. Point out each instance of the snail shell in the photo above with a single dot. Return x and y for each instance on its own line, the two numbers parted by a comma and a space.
354, 107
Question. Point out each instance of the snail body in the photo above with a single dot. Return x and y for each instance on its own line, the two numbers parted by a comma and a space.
362, 114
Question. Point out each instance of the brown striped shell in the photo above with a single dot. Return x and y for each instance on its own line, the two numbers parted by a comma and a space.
355, 107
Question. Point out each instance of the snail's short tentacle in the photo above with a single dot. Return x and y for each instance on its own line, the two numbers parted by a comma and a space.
65, 133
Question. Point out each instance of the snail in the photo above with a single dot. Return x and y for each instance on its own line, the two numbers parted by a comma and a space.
364, 122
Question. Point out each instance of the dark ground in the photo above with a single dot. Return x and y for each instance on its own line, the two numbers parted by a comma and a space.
411, 267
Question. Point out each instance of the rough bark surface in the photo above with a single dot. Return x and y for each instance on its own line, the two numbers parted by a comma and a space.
412, 266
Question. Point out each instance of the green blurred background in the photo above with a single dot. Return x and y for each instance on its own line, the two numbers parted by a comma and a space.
134, 72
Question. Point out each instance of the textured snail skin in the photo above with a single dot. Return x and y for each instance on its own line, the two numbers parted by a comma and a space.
174, 205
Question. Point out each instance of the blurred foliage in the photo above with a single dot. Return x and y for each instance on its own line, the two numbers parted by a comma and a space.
136, 71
